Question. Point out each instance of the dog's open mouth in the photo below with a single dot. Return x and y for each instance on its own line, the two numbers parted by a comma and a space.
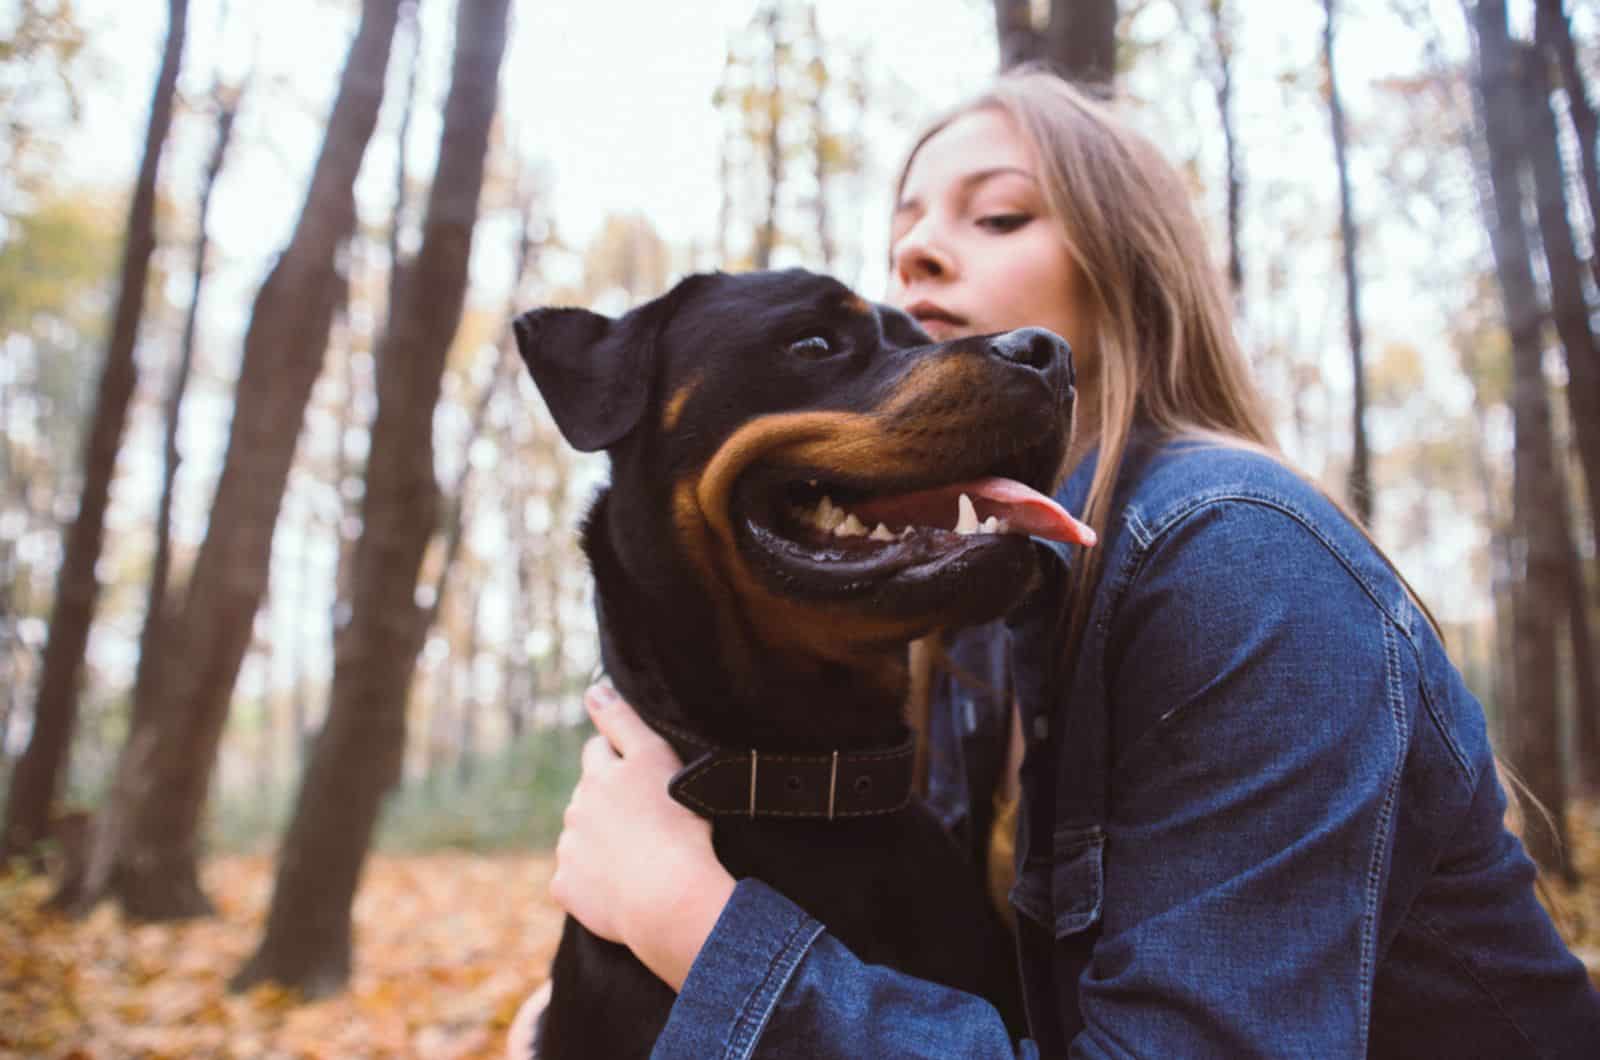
833, 536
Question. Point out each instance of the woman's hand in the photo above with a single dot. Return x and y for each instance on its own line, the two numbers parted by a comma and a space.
632, 865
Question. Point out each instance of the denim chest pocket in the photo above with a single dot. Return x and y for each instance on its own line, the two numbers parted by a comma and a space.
1063, 892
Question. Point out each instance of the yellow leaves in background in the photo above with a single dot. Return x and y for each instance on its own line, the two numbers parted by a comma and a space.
447, 947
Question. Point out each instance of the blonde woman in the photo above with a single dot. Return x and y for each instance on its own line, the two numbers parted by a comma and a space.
1249, 806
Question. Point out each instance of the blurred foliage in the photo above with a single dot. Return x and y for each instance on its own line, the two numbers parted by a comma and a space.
41, 42
512, 799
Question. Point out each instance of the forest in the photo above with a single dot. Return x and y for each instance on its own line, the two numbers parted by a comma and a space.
293, 621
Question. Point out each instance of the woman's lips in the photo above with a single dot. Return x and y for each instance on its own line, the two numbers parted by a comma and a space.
937, 320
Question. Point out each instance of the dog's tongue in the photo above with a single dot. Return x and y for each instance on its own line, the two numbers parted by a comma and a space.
1026, 509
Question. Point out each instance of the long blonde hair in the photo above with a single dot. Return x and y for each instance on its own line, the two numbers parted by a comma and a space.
1166, 351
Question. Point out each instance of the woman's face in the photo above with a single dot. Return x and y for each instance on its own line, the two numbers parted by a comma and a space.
973, 246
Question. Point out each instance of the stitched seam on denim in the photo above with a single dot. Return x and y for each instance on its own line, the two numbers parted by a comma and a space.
1449, 738
756, 1011
1178, 514
1380, 838
1460, 960
1141, 532
1136, 559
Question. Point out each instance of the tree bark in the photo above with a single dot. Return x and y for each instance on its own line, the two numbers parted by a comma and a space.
767, 232
1570, 312
1078, 41
144, 849
1360, 477
1539, 596
1554, 36
147, 676
359, 754
38, 772
1222, 42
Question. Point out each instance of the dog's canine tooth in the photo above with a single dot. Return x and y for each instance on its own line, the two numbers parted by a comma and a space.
966, 516
850, 527
881, 533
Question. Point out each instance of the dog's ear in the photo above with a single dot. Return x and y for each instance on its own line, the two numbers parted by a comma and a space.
593, 371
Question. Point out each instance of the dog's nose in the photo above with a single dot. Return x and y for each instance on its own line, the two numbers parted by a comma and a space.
1036, 348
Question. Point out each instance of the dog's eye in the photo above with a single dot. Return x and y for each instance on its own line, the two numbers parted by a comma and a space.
816, 346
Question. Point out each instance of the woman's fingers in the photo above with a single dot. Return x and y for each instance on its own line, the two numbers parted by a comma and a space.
619, 724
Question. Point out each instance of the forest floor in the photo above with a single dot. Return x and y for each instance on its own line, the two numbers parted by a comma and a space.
447, 947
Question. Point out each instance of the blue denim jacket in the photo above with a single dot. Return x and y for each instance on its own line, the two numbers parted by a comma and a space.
1259, 818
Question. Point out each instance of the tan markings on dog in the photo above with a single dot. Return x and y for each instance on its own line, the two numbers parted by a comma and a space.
935, 377
865, 444
674, 409
856, 304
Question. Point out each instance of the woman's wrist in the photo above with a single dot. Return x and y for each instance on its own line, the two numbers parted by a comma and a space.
668, 939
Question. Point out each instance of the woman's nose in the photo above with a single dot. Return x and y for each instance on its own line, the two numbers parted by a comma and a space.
918, 256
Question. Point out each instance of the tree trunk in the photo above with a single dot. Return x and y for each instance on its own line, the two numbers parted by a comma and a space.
467, 719
402, 180
1079, 40
1539, 598
38, 772
358, 756
1570, 312
147, 676
144, 848
1583, 359
1360, 478
767, 233
1222, 42
1553, 33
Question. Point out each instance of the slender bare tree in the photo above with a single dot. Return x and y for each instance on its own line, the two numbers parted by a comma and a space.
38, 772
226, 100
1539, 596
144, 848
1554, 35
1360, 476
358, 757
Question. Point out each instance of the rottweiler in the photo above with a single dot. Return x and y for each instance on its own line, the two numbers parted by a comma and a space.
802, 482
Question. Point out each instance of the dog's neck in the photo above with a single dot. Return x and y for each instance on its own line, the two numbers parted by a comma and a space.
666, 656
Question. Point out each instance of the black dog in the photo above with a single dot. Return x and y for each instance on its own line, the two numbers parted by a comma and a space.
801, 484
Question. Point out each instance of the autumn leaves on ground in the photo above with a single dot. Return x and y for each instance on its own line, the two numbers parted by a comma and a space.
447, 946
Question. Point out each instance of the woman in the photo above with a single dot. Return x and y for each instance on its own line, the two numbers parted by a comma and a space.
1258, 810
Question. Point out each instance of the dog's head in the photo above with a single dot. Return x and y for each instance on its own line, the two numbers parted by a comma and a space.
810, 464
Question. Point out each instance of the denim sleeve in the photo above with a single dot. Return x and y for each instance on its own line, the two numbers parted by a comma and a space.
771, 983
1259, 721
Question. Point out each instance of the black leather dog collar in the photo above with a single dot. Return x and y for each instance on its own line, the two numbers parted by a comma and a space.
826, 785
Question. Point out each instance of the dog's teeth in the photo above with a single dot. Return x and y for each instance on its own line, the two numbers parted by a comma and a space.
990, 525
966, 516
881, 533
1003, 527
829, 515
850, 527
905, 532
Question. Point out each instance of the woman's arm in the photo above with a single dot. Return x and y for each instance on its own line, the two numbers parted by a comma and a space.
1261, 701
751, 968
632, 865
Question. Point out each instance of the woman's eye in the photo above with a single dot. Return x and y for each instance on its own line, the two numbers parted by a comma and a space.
1004, 222
815, 346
